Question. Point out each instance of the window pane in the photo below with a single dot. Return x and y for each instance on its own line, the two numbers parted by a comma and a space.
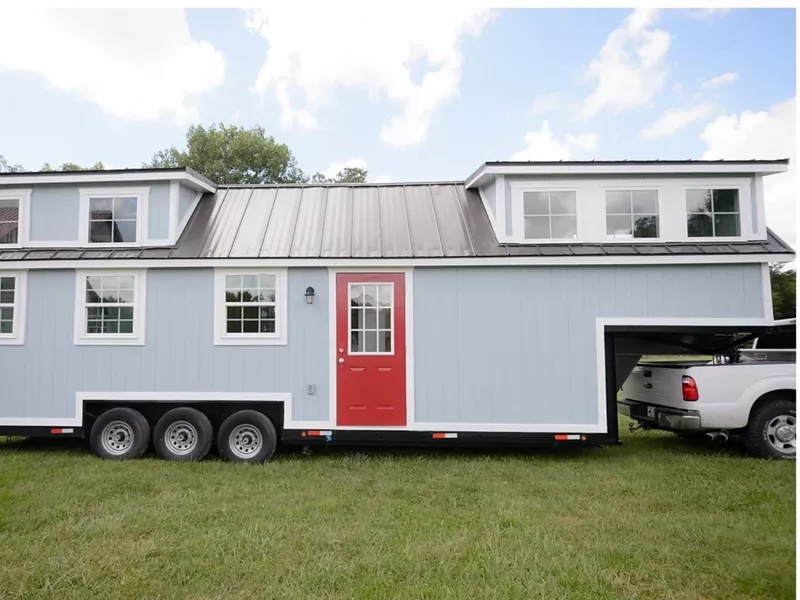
9, 220
7, 297
7, 283
618, 225
384, 341
698, 201
8, 204
726, 225
370, 295
562, 203
125, 282
111, 313
726, 200
645, 202
699, 225
370, 341
385, 318
9, 233
384, 295
126, 312
537, 228
125, 296
7, 313
234, 326
564, 227
250, 326
250, 282
357, 295
267, 312
645, 227
370, 318
94, 313
268, 326
100, 209
618, 203
125, 232
110, 327
250, 312
356, 341
356, 318
536, 203
6, 326
234, 312
233, 283
126, 326
94, 327
266, 281
231, 296
125, 208
100, 232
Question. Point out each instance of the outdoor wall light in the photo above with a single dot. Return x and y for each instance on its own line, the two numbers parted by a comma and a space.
309, 295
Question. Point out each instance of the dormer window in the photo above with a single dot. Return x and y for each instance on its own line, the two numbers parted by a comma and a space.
712, 213
550, 215
113, 217
631, 214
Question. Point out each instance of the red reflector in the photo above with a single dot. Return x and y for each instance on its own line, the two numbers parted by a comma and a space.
56, 430
690, 393
562, 438
438, 436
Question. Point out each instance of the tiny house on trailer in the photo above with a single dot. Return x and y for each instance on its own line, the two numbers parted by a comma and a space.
146, 306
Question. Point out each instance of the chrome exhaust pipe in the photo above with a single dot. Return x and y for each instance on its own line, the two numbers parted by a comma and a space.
716, 436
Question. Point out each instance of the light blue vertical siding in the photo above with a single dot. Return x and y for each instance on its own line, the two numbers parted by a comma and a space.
41, 377
185, 198
54, 214
517, 344
158, 217
489, 193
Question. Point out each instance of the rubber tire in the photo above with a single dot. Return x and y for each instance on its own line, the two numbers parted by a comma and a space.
260, 422
754, 436
205, 434
139, 425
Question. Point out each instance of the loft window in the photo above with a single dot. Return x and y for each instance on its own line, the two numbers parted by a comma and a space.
113, 216
713, 213
550, 215
9, 221
632, 213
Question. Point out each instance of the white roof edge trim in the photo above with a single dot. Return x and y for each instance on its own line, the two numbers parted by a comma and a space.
78, 177
743, 168
388, 263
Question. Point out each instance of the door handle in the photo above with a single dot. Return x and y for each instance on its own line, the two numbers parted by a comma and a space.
648, 386
341, 361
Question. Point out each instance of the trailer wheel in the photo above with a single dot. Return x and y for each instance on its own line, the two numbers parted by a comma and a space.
771, 430
183, 433
247, 436
120, 434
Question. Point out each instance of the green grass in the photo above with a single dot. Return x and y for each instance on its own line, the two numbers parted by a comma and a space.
654, 518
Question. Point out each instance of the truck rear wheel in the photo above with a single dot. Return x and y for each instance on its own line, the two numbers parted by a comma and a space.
183, 433
120, 434
771, 430
247, 436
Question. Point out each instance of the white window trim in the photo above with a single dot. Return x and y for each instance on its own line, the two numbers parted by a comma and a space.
745, 220
17, 336
279, 338
23, 226
137, 338
142, 194
632, 238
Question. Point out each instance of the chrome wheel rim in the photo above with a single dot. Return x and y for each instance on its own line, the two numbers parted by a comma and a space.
116, 438
781, 434
181, 437
245, 441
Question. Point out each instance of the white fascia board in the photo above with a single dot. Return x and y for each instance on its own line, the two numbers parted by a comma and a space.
389, 263
78, 177
623, 169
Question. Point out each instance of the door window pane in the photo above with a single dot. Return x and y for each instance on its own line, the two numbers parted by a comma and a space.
371, 324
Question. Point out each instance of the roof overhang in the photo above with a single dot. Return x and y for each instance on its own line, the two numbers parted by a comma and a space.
187, 176
487, 171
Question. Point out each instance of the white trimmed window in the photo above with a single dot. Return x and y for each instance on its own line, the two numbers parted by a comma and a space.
713, 213
13, 216
250, 307
110, 307
113, 216
550, 215
12, 307
631, 214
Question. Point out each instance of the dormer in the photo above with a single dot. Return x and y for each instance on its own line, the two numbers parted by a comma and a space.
625, 201
132, 208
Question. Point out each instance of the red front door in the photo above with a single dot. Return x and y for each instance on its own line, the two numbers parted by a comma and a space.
370, 349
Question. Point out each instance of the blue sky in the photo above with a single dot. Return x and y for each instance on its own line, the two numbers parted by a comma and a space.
121, 91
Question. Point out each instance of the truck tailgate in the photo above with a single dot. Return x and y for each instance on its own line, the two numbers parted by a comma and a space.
656, 384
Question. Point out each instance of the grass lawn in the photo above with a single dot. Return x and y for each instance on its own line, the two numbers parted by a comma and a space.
654, 518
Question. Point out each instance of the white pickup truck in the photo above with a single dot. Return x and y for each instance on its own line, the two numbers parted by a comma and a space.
750, 392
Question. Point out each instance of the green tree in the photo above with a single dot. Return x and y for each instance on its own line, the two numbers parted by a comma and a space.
231, 155
7, 168
70, 166
784, 291
346, 175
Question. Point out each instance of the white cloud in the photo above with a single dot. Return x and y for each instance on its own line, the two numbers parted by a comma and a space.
134, 64
765, 135
547, 103
678, 88
723, 79
374, 51
333, 169
675, 119
542, 145
630, 70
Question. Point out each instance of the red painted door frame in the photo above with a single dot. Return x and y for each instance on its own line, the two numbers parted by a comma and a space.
370, 350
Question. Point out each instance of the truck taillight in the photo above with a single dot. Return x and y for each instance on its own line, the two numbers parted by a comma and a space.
689, 389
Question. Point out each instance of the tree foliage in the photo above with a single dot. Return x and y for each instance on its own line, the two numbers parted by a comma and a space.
231, 155
346, 175
784, 291
7, 168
